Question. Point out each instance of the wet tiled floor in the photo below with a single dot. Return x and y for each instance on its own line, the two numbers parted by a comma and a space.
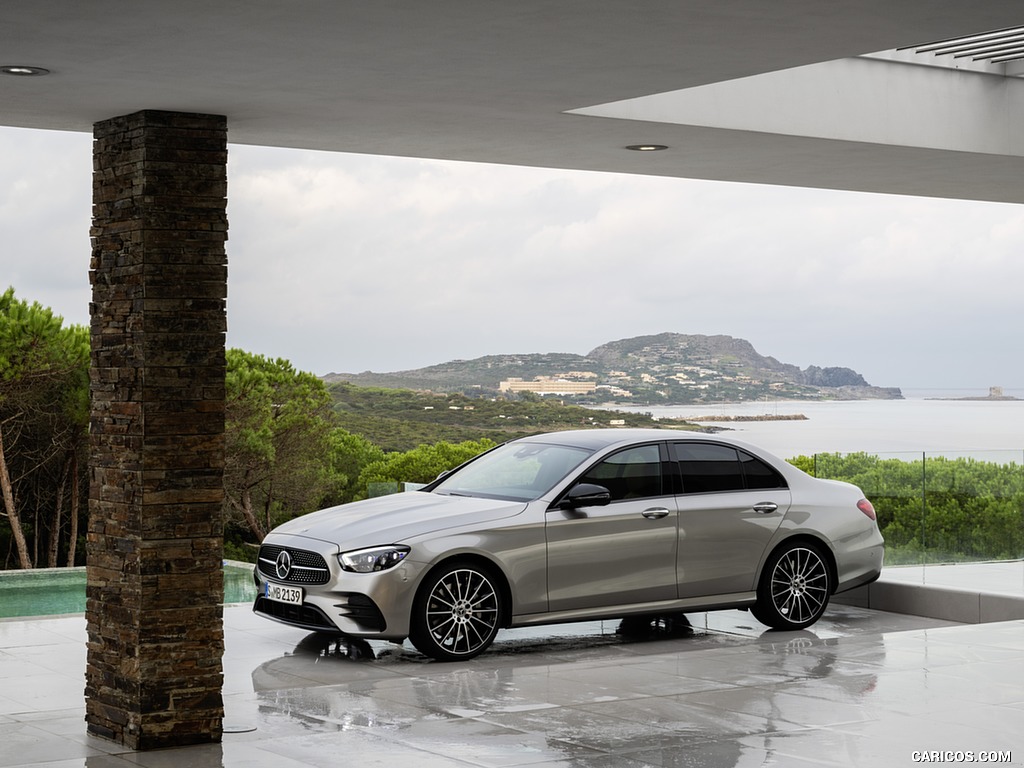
863, 688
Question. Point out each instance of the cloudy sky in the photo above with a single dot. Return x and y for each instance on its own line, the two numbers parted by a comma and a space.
350, 263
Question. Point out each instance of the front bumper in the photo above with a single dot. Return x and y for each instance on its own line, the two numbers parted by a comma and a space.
366, 605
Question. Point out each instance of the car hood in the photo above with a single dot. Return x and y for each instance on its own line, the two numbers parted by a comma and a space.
396, 518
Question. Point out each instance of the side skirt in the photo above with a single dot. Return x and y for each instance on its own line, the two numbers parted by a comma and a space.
688, 605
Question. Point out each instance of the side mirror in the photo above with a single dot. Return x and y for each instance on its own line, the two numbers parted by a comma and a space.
585, 495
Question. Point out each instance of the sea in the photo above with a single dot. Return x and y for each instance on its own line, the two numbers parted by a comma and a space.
927, 421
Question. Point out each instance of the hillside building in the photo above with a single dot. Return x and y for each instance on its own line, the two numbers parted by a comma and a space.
546, 385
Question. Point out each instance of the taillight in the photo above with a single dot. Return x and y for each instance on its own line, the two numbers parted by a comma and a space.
866, 507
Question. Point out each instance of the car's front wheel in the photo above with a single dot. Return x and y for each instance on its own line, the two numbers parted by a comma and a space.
795, 587
457, 612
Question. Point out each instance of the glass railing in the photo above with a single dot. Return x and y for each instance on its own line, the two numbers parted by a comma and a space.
956, 507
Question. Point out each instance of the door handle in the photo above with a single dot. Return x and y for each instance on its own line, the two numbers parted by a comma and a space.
766, 507
656, 513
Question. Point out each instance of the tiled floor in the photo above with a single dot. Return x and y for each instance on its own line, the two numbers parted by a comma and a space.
863, 688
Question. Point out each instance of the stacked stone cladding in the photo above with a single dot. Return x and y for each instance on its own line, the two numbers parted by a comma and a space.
155, 537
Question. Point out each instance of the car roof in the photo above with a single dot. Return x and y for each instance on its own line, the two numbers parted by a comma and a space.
597, 439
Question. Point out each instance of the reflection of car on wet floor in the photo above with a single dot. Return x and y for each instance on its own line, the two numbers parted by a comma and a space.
572, 526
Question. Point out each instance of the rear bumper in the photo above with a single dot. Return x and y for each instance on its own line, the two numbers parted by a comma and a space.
862, 565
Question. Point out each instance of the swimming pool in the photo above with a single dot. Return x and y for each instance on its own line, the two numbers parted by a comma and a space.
53, 591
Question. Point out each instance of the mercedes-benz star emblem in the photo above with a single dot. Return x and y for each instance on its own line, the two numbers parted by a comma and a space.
284, 564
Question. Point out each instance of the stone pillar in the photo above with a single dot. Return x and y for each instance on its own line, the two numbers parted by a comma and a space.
155, 538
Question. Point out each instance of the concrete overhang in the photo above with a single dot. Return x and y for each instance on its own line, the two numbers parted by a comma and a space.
739, 90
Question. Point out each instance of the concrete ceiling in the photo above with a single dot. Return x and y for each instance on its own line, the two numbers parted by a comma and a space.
551, 83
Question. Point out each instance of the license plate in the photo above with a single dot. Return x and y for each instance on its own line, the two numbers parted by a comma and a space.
282, 594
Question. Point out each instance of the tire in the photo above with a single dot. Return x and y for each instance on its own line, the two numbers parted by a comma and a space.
457, 613
795, 587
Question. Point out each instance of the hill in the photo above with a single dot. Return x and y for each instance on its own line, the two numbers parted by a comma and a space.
665, 369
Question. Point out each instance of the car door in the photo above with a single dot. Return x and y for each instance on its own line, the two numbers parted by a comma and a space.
730, 505
621, 553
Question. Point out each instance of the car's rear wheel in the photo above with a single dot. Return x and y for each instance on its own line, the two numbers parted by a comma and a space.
795, 587
457, 612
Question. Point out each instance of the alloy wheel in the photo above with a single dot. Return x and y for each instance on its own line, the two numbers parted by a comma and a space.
461, 613
799, 585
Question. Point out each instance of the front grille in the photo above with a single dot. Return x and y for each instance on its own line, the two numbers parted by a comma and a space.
307, 567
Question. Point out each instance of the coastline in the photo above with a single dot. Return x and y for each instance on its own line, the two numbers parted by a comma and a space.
985, 399
751, 417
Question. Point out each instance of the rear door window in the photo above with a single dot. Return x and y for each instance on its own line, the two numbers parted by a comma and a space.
711, 468
758, 475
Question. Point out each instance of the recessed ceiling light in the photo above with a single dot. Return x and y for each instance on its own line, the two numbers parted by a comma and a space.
647, 147
20, 71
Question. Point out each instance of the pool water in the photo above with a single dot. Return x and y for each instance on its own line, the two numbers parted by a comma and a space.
53, 591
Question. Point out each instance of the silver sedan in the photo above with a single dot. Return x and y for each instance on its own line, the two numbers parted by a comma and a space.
573, 526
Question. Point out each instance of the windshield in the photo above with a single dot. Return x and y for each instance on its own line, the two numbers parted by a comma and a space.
514, 471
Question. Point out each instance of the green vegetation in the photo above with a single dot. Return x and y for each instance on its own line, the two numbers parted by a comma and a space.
400, 419
421, 464
936, 509
44, 430
284, 454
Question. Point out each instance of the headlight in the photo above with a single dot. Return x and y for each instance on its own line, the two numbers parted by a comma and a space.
373, 559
